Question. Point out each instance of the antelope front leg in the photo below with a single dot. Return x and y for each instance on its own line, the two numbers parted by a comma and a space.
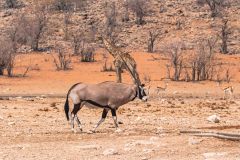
114, 116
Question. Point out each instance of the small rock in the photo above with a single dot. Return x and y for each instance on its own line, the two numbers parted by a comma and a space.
193, 141
154, 138
89, 147
29, 99
214, 155
19, 97
214, 119
43, 96
138, 119
11, 123
127, 149
120, 122
39, 98
110, 151
146, 150
118, 130
175, 92
1, 118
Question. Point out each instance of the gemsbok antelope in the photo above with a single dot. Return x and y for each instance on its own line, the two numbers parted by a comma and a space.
106, 95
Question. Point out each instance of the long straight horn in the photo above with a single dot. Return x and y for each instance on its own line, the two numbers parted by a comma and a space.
136, 80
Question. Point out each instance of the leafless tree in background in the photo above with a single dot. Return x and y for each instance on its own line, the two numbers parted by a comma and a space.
224, 36
69, 5
63, 60
87, 54
12, 51
216, 6
152, 37
79, 4
5, 52
139, 7
37, 26
111, 26
11, 41
203, 62
11, 3
66, 22
82, 45
62, 5
78, 42
125, 14
175, 53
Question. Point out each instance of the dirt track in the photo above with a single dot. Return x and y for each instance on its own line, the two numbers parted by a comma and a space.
36, 128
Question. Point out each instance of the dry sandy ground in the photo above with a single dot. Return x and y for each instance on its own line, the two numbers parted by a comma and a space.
44, 79
36, 128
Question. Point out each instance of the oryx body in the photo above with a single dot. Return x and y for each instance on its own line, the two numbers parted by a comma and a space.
105, 95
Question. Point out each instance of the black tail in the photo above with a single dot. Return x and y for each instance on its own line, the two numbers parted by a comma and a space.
66, 106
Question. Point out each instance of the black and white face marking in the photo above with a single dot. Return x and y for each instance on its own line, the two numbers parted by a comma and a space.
142, 94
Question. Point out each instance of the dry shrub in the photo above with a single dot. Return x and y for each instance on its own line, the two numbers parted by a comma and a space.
139, 7
83, 46
62, 60
105, 67
175, 54
87, 55
216, 6
153, 35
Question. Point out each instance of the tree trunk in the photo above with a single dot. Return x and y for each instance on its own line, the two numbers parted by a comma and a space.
150, 46
224, 47
118, 74
1, 71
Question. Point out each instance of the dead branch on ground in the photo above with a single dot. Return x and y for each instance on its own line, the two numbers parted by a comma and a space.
221, 135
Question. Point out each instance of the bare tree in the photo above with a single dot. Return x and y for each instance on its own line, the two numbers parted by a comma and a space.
82, 45
111, 26
5, 51
174, 52
77, 42
125, 15
228, 76
139, 7
69, 5
11, 3
215, 5
87, 54
153, 35
79, 4
63, 60
224, 36
105, 67
11, 54
36, 27
67, 20
203, 62
62, 5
